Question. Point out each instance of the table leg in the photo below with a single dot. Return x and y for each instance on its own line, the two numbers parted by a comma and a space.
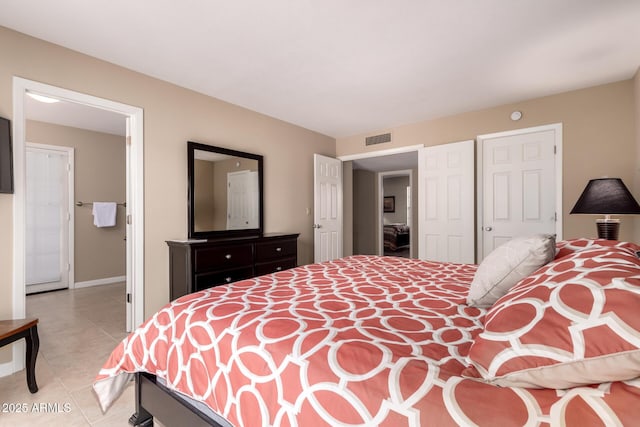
33, 344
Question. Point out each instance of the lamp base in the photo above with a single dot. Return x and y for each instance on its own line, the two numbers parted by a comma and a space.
608, 228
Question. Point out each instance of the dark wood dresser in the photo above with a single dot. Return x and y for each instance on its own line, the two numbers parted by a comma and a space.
199, 264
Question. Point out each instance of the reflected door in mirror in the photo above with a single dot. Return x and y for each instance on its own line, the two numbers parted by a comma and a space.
242, 200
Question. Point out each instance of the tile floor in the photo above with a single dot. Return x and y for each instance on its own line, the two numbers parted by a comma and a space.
77, 329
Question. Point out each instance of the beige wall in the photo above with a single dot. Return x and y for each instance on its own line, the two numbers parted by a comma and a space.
365, 216
172, 116
100, 175
598, 139
347, 208
204, 198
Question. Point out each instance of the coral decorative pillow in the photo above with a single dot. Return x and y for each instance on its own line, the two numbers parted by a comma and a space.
575, 322
507, 265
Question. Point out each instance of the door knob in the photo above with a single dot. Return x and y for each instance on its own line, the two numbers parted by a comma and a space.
488, 228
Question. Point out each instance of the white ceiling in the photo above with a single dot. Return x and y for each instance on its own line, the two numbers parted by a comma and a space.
349, 67
76, 115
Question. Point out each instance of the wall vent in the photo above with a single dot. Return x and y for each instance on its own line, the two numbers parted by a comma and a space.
378, 139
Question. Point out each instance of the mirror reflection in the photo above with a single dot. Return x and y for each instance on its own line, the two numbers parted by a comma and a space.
224, 192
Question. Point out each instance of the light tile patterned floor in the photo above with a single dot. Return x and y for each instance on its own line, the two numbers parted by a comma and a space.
77, 329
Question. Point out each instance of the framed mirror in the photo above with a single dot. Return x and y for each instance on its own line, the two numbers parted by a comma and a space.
225, 192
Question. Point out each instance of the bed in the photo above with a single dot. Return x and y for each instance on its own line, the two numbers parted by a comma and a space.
389, 341
396, 236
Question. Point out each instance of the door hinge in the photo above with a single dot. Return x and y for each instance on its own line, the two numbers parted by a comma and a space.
555, 149
128, 298
129, 219
555, 216
68, 266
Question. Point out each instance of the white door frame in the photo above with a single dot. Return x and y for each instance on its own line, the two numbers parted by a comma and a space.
70, 152
380, 216
135, 198
382, 153
557, 128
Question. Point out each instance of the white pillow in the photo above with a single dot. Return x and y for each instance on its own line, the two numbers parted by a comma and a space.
507, 265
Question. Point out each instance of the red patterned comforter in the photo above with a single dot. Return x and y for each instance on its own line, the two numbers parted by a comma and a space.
362, 340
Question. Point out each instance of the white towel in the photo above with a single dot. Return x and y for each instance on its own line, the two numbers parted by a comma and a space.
104, 214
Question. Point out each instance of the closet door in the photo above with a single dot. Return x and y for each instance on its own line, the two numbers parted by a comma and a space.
47, 219
520, 185
446, 203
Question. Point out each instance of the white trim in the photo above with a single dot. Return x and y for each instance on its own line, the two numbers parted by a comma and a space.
135, 200
557, 128
381, 176
8, 368
99, 282
380, 153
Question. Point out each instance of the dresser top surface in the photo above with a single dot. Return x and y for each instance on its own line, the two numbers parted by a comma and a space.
247, 239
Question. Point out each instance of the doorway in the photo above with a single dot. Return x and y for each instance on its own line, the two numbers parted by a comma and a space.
366, 198
395, 205
134, 196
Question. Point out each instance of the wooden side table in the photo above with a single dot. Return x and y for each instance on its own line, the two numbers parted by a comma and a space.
13, 330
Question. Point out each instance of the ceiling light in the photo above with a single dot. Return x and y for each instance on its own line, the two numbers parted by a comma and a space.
43, 98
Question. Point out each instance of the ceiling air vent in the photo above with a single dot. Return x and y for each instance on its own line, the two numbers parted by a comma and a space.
378, 139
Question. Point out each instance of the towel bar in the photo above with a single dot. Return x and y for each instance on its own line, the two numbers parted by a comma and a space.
91, 203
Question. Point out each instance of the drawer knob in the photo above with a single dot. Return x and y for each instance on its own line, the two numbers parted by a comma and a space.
228, 280
278, 268
278, 249
228, 256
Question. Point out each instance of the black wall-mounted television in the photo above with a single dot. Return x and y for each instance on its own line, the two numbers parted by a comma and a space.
6, 157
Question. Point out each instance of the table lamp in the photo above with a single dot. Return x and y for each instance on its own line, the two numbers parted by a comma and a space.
606, 196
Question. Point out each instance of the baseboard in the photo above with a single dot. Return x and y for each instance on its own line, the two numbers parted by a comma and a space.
99, 282
17, 362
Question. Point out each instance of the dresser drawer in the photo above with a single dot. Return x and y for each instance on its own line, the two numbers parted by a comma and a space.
266, 251
223, 257
215, 278
275, 266
201, 264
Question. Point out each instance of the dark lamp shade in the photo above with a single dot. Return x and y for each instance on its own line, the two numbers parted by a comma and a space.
606, 196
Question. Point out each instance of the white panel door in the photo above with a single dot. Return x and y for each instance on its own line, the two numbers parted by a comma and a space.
446, 203
518, 185
327, 183
242, 197
48, 175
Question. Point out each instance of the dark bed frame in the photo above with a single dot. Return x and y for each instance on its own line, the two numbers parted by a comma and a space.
155, 400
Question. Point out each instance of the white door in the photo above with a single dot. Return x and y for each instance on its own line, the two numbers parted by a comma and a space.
327, 196
520, 174
48, 217
242, 197
446, 203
